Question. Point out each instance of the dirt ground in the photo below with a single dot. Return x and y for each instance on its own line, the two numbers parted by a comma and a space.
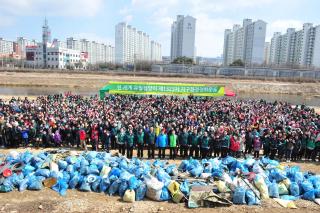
96, 81
48, 200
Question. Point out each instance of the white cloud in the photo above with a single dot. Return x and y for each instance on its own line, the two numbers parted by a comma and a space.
87, 8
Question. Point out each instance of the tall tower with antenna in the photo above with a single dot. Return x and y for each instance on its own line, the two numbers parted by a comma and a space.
46, 38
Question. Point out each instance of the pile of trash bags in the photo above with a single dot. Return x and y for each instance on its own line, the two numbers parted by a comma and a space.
220, 181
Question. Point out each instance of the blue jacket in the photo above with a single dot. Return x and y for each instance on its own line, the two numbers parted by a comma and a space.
25, 134
162, 141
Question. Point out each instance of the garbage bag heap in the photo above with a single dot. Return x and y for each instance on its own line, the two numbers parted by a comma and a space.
245, 181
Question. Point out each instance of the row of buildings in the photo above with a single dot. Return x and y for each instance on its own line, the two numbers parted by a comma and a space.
295, 48
245, 43
132, 45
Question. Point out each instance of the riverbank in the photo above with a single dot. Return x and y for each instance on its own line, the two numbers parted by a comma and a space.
94, 81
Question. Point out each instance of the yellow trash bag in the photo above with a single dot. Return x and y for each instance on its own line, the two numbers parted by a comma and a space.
129, 196
286, 182
286, 203
174, 187
222, 187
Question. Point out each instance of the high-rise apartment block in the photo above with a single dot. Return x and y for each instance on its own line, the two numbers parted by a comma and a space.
132, 45
246, 43
296, 48
183, 37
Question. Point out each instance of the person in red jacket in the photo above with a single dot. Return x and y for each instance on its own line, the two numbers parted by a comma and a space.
234, 145
95, 137
82, 137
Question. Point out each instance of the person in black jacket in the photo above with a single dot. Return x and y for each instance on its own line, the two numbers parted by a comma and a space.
150, 141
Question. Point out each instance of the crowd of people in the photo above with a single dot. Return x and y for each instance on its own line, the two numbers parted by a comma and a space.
186, 127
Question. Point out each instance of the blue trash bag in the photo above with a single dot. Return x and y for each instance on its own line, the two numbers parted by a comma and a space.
62, 164
70, 169
61, 187
23, 185
289, 197
125, 176
91, 155
6, 188
165, 194
66, 176
16, 179
217, 173
43, 155
309, 195
277, 175
184, 188
196, 172
139, 172
123, 187
239, 196
114, 187
84, 170
27, 169
171, 169
317, 193
163, 176
228, 160
84, 162
95, 186
298, 177
115, 172
273, 190
251, 198
158, 163
85, 185
54, 174
294, 189
34, 183
104, 184
43, 172
133, 183
71, 159
26, 157
7, 185
93, 170
306, 186
123, 164
141, 191
183, 165
315, 180
74, 181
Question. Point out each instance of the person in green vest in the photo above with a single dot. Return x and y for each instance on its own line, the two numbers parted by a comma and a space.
140, 142
225, 144
150, 142
184, 142
205, 145
194, 144
129, 138
120, 138
317, 148
173, 138
310, 147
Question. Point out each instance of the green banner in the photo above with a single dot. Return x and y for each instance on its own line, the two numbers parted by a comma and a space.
162, 89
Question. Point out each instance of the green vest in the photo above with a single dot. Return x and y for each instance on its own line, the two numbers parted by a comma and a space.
205, 142
121, 138
140, 138
129, 139
183, 140
173, 140
151, 138
194, 139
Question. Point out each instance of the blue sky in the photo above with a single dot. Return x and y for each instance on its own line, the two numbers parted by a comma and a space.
95, 19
